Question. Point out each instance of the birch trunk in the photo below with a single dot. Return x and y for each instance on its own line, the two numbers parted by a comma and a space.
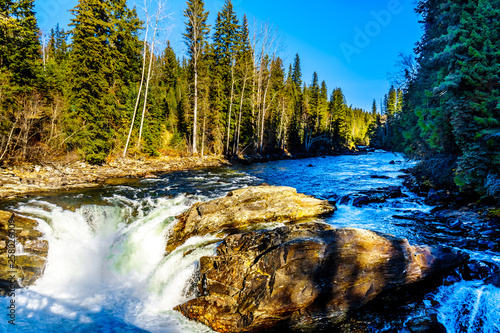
151, 54
144, 55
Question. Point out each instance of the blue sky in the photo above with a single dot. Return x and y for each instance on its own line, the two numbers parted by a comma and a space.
350, 44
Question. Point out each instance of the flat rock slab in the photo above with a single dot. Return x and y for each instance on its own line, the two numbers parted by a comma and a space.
241, 209
306, 277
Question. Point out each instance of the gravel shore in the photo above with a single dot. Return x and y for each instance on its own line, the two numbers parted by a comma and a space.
22, 180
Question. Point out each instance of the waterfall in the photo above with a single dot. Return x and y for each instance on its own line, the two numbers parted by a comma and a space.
107, 271
469, 307
106, 268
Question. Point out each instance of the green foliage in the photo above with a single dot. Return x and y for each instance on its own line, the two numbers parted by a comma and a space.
451, 106
104, 62
77, 92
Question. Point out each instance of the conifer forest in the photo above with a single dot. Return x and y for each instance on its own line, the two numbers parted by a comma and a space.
104, 88
107, 87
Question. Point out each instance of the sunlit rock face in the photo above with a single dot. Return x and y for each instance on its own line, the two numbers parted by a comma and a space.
242, 210
23, 251
305, 277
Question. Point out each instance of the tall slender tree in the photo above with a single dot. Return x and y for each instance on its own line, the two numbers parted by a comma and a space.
105, 39
195, 38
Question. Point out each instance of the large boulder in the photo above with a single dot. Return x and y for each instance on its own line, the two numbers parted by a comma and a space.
244, 209
23, 251
306, 277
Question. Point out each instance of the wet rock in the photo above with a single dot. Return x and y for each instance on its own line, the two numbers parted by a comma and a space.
426, 324
379, 195
306, 277
244, 209
435, 197
455, 224
379, 177
23, 251
479, 270
365, 199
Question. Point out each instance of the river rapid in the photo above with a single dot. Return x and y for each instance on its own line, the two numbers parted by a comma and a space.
107, 271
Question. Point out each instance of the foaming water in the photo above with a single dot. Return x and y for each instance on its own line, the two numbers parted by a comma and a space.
99, 266
470, 306
107, 270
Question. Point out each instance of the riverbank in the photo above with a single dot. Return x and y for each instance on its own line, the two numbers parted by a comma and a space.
30, 179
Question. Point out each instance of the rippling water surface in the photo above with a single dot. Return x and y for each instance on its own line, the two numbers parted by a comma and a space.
106, 270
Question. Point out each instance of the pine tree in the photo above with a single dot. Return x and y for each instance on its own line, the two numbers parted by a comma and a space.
20, 48
391, 101
245, 68
297, 72
103, 61
20, 79
226, 47
339, 112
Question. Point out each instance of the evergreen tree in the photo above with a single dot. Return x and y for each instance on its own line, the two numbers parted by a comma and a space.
103, 61
20, 79
20, 49
390, 102
226, 47
297, 72
339, 111
195, 37
313, 125
323, 108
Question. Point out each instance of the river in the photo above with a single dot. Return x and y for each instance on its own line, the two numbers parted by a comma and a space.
107, 271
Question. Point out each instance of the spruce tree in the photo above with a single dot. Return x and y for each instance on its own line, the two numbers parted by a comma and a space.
339, 111
226, 50
104, 59
297, 72
195, 38
20, 48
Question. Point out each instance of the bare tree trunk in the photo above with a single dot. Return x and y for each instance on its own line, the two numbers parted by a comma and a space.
8, 140
144, 55
282, 125
204, 126
195, 109
236, 147
230, 105
264, 109
151, 55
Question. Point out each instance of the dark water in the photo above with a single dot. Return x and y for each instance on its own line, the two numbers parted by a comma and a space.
106, 268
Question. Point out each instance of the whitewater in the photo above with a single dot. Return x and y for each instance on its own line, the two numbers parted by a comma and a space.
107, 270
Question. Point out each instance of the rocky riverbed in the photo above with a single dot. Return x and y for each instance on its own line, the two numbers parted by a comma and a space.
22, 180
